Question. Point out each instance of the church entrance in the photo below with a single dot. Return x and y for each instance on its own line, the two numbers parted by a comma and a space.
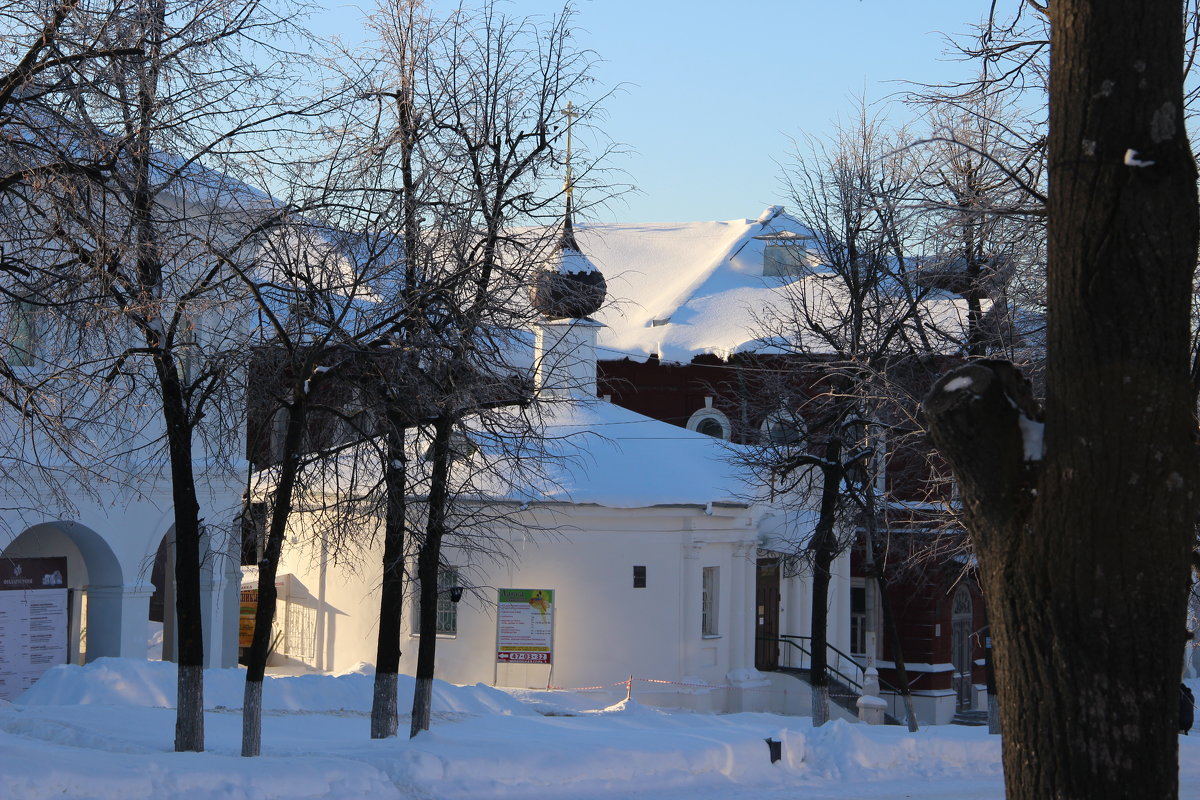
766, 627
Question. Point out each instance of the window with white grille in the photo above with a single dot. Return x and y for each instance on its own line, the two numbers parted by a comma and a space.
300, 633
710, 585
447, 609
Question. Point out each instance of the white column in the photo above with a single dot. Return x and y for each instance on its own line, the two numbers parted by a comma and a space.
750, 594
117, 620
800, 602
219, 608
741, 616
690, 635
873, 622
839, 604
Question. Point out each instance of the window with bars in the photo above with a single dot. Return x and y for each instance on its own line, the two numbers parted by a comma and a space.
710, 585
300, 633
447, 609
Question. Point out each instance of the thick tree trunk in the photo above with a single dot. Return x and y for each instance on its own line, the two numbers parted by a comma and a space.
268, 568
1083, 548
824, 546
384, 716
189, 707
252, 718
428, 561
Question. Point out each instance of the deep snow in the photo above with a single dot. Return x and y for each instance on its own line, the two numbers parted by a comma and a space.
105, 732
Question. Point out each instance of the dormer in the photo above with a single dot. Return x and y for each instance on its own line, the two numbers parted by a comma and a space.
785, 254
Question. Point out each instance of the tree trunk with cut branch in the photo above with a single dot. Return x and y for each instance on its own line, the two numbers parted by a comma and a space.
1083, 542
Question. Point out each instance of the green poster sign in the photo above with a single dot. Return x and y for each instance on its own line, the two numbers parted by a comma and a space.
525, 626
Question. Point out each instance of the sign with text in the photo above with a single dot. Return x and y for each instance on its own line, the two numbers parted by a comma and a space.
33, 620
246, 616
525, 626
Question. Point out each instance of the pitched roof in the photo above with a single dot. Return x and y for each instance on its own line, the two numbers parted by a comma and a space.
682, 289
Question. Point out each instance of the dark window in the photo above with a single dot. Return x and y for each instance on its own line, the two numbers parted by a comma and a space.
23, 334
254, 532
711, 427
709, 586
639, 577
858, 620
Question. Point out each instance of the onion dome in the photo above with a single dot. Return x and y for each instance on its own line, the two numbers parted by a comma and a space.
570, 285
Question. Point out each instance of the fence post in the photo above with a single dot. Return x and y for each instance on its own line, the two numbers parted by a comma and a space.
871, 705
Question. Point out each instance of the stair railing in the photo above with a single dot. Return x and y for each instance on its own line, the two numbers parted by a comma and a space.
842, 667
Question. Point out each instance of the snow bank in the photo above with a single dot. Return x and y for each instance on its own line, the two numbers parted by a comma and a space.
104, 732
127, 682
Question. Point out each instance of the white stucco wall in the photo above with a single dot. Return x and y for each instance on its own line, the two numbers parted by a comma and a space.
605, 629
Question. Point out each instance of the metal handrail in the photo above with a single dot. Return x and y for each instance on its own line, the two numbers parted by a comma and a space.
854, 683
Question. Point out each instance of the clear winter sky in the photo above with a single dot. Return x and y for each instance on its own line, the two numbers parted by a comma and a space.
711, 90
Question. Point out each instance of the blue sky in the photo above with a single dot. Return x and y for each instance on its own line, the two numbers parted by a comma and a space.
711, 90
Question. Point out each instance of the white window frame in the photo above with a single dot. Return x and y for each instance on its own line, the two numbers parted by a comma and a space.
859, 621
694, 421
710, 602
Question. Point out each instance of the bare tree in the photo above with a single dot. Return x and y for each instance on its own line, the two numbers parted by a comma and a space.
432, 210
175, 107
502, 84
852, 312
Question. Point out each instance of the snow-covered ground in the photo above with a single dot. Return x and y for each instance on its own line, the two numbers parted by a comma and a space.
105, 732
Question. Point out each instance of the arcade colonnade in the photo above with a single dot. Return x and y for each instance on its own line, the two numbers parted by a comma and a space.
109, 550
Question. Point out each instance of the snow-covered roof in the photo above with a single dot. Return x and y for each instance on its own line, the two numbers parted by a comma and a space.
682, 289
593, 452
620, 459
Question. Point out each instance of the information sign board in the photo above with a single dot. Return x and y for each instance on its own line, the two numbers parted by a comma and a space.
33, 620
525, 626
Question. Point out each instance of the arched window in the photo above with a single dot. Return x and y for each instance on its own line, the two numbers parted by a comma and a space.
710, 422
784, 429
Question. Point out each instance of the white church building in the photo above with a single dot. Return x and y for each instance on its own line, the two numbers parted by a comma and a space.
644, 556
637, 565
633, 567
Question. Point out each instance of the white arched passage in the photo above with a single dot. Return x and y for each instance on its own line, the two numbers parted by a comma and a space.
220, 580
108, 616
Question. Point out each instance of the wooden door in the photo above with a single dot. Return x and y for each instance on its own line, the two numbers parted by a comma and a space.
960, 646
766, 615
